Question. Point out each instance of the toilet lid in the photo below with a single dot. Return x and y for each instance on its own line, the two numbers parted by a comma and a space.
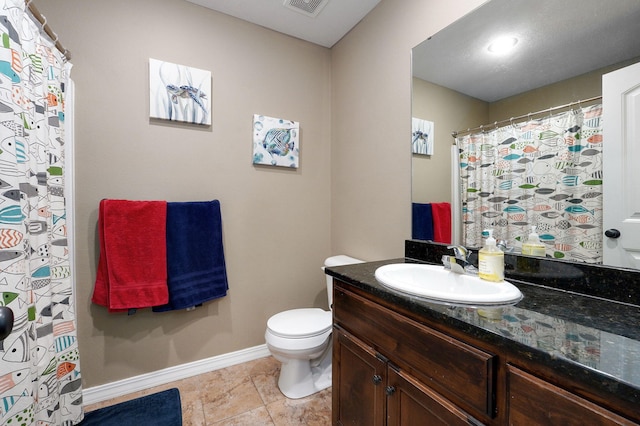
300, 323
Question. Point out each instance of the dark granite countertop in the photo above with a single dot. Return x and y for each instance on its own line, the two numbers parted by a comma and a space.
583, 335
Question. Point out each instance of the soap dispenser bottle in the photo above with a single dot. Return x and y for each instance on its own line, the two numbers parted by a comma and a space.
491, 260
533, 246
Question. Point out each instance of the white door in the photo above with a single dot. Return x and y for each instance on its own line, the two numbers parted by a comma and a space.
621, 168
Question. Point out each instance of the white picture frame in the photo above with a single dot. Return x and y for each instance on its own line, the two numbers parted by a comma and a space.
179, 93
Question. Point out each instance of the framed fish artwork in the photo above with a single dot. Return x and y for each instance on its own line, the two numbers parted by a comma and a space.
179, 93
276, 142
421, 136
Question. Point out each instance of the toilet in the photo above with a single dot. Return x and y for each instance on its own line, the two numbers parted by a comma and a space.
301, 340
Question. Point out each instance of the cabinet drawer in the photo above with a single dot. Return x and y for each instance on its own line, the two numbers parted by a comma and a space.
458, 371
535, 401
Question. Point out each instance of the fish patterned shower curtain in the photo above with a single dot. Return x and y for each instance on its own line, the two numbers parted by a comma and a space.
39, 369
545, 173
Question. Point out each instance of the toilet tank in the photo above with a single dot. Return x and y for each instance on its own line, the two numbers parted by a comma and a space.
338, 260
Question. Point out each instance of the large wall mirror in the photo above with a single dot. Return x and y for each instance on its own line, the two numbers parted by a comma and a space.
563, 48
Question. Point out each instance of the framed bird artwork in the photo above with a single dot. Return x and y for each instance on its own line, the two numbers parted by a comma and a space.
421, 136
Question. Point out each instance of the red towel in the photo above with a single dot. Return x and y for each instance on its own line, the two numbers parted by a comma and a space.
441, 222
132, 268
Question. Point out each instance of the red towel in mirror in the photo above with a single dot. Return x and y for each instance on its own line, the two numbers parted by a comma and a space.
441, 222
132, 268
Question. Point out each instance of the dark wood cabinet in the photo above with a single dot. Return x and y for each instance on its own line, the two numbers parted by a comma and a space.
378, 393
360, 376
535, 401
383, 361
411, 403
391, 367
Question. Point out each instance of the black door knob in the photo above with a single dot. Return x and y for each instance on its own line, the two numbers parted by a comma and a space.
390, 390
612, 233
6, 322
377, 379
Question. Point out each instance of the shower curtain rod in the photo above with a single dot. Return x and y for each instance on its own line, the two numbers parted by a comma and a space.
47, 29
455, 134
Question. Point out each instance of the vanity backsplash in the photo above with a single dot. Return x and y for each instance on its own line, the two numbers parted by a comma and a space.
616, 284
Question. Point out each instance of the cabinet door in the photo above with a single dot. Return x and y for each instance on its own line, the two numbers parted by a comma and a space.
535, 401
460, 372
359, 379
410, 403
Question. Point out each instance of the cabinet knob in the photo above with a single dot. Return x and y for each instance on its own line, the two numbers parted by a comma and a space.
390, 390
612, 233
377, 379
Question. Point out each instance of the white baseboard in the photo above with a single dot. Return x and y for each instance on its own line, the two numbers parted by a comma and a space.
171, 374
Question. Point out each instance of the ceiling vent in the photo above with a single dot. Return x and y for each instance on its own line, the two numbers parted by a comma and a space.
307, 7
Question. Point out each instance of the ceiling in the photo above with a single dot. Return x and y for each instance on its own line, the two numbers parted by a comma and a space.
558, 39
592, 33
335, 18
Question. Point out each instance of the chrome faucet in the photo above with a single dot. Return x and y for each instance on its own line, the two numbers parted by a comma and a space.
502, 245
461, 254
460, 259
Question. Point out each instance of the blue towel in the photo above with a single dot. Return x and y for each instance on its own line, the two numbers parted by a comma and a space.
196, 270
421, 221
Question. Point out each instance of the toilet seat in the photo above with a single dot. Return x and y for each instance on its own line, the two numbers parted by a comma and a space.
300, 323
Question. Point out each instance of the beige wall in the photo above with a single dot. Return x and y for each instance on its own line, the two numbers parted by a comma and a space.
564, 92
350, 195
561, 93
371, 124
449, 111
276, 221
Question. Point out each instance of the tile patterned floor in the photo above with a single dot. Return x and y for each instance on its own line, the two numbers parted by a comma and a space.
243, 394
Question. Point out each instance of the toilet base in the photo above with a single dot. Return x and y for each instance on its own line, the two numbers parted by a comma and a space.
303, 377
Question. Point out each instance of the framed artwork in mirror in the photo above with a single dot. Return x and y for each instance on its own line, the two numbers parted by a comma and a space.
421, 136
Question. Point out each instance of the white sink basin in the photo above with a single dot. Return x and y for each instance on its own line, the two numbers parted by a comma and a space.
439, 284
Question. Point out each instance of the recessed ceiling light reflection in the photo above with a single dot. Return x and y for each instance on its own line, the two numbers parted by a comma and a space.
502, 44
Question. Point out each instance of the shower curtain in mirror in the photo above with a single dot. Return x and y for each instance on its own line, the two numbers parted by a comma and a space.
39, 369
545, 173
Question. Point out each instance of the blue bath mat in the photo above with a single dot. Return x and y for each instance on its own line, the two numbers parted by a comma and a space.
158, 409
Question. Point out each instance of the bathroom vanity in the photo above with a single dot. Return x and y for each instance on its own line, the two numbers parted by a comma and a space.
556, 357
